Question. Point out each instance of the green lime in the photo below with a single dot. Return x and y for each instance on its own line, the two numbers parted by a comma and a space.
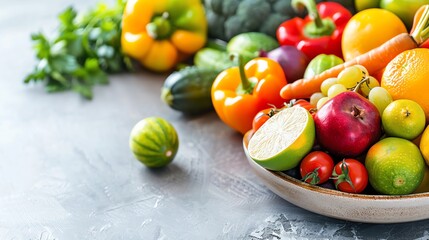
395, 166
404, 9
403, 118
154, 142
283, 140
365, 4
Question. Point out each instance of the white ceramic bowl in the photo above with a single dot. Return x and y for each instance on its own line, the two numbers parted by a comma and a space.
341, 205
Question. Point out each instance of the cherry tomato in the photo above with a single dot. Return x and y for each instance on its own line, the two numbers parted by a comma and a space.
316, 167
303, 103
350, 175
262, 116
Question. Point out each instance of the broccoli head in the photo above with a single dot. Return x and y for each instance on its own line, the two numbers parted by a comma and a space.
227, 18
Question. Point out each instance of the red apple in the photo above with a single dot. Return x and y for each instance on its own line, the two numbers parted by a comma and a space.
347, 125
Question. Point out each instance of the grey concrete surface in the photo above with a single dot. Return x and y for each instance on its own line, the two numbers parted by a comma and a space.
66, 171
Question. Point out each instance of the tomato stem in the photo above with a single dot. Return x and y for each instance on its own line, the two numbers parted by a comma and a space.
343, 177
313, 175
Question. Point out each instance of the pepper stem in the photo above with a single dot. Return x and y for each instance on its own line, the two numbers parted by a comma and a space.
318, 27
159, 27
247, 85
310, 5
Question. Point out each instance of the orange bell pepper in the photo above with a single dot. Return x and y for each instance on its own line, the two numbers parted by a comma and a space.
161, 33
239, 93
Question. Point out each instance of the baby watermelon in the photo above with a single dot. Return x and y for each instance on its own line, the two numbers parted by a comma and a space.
154, 142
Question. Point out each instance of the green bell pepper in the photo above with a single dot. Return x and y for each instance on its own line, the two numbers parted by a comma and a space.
321, 63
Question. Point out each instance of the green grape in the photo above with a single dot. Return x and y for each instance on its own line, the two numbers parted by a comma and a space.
366, 86
351, 76
336, 89
380, 97
322, 101
315, 97
327, 84
364, 70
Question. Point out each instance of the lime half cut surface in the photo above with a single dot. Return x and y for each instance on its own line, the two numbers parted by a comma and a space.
283, 140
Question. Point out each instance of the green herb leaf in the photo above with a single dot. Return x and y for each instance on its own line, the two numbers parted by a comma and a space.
83, 51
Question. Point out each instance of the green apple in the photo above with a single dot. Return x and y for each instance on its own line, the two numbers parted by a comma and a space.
365, 4
404, 9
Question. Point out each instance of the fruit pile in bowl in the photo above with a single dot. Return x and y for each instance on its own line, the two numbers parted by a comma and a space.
357, 123
355, 137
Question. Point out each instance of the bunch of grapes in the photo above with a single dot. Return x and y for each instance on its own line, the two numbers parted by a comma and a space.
353, 78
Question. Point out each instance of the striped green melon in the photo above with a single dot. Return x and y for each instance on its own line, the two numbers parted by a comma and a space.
154, 142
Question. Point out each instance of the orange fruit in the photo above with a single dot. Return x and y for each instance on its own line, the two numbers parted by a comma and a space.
369, 29
424, 145
424, 185
406, 77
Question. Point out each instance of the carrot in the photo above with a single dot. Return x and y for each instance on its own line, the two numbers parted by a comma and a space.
374, 60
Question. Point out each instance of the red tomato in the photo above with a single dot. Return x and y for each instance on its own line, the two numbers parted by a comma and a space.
303, 103
262, 116
316, 167
350, 175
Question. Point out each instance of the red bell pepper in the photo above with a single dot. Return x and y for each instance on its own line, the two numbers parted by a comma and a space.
319, 32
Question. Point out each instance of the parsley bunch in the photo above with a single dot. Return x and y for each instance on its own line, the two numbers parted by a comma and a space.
83, 51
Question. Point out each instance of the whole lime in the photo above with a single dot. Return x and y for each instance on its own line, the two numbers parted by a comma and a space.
403, 118
154, 142
365, 4
404, 9
395, 166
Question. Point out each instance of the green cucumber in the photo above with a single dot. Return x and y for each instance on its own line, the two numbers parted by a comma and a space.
154, 142
189, 90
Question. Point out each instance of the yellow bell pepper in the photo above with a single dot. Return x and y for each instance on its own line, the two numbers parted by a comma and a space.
161, 33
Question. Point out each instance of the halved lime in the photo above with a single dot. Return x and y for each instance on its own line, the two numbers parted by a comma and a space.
283, 140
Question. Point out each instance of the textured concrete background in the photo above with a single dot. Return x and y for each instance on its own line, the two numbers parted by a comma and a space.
66, 171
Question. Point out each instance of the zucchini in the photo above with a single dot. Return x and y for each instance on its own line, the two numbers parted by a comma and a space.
189, 90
